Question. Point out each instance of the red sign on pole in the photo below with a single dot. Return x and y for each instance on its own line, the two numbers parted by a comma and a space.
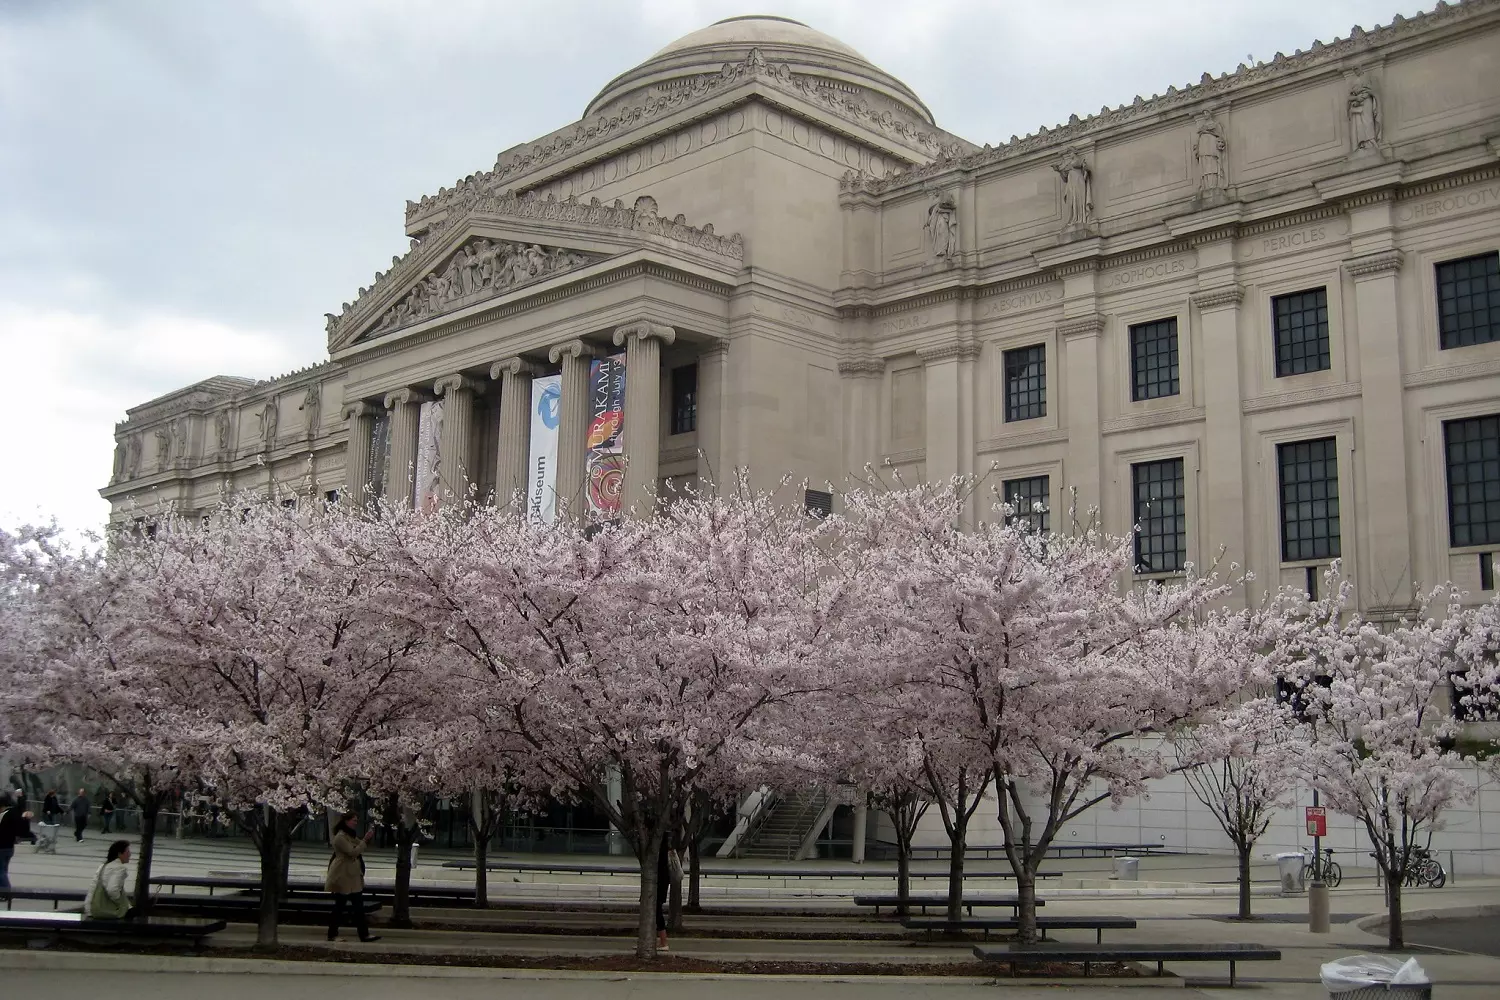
1317, 821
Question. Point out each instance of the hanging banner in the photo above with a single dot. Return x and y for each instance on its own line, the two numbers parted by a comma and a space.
429, 434
541, 477
380, 453
605, 447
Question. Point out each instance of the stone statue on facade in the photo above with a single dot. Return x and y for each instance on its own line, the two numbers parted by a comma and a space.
942, 225
1208, 151
133, 455
163, 448
269, 415
1077, 189
223, 430
312, 405
119, 467
1364, 117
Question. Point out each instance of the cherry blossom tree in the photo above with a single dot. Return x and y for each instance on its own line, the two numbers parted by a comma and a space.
1242, 763
1378, 709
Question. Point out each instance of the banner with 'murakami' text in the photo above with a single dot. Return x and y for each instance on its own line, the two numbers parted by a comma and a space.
541, 470
604, 471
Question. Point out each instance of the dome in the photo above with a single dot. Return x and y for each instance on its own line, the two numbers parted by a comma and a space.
780, 40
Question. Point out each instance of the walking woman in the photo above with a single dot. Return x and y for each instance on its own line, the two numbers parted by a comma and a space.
107, 899
346, 877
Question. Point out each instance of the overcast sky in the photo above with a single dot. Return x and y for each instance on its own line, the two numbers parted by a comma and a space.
187, 186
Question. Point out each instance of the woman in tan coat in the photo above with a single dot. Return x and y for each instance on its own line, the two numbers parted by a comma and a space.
346, 877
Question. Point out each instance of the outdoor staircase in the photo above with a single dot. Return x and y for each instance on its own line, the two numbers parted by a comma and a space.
781, 834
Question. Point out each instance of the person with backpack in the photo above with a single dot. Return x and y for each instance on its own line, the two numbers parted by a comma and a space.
108, 898
15, 824
346, 877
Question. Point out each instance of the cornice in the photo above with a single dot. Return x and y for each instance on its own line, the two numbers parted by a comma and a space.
644, 330
1374, 264
1011, 441
905, 457
1302, 397
514, 367
945, 352
1439, 374
1451, 181
456, 382
862, 368
1291, 220
949, 294
1145, 253
1215, 298
1083, 326
1158, 418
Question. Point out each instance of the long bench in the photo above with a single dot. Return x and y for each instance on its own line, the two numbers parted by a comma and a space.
247, 905
1090, 954
300, 888
924, 901
154, 929
726, 871
1043, 924
56, 896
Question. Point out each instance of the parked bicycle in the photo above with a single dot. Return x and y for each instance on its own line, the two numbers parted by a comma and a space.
1323, 869
1425, 869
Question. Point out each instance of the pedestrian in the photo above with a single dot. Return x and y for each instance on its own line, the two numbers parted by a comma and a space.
15, 824
106, 810
668, 870
107, 898
51, 807
346, 877
81, 808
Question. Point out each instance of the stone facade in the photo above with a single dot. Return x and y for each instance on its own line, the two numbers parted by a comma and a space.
1167, 297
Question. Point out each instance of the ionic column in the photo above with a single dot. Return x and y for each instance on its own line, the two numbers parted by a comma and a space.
573, 422
405, 406
711, 361
642, 342
361, 418
455, 445
514, 446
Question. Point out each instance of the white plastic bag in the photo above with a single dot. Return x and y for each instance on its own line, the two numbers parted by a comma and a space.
1359, 971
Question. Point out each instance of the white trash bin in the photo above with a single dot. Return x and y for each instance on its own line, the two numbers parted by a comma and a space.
1368, 977
1127, 869
1289, 868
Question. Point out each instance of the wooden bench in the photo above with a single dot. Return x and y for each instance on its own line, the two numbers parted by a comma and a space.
1088, 954
301, 888
1043, 925
155, 929
736, 872
248, 905
56, 896
924, 901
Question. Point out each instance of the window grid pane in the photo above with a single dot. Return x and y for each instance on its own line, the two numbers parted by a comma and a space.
1161, 514
1309, 499
1153, 359
1026, 383
1469, 301
1473, 452
684, 399
1301, 332
1025, 495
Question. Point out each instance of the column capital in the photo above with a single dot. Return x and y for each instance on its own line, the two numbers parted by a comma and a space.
452, 383
404, 397
1083, 326
1373, 265
644, 330
1218, 298
574, 349
361, 408
862, 367
956, 351
513, 367
713, 348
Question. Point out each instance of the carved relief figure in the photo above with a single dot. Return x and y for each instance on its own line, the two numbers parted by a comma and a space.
163, 448
942, 225
119, 467
268, 419
133, 455
223, 429
1208, 150
1077, 189
312, 405
1364, 117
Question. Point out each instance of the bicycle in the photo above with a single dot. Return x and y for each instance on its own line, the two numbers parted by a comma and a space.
1323, 869
1424, 869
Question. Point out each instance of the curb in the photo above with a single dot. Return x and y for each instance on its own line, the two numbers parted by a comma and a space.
1376, 923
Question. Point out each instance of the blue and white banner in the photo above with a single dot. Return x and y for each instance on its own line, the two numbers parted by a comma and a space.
541, 470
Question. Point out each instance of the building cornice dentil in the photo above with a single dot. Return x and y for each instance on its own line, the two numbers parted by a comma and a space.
1374, 264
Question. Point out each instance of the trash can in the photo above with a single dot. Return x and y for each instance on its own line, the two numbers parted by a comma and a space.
1289, 867
1368, 977
1127, 869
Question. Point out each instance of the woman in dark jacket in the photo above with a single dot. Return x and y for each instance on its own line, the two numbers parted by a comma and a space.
346, 877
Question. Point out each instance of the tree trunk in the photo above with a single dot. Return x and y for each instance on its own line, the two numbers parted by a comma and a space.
273, 855
481, 870
401, 904
903, 874
150, 810
957, 845
1396, 938
1244, 852
645, 926
674, 907
1026, 905
694, 876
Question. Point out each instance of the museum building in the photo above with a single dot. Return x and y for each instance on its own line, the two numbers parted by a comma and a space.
1257, 315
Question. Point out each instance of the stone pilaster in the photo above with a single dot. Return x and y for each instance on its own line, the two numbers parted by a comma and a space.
514, 444
456, 444
361, 418
712, 360
1078, 342
642, 342
405, 406
1223, 423
949, 403
1383, 567
861, 378
573, 422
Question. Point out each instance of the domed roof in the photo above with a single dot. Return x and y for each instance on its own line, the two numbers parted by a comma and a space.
780, 40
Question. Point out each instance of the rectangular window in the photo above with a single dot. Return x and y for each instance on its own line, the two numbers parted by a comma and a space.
331, 497
1031, 499
1486, 571
1301, 332
1309, 499
1026, 383
1161, 516
1473, 451
684, 399
1469, 301
1153, 359
818, 503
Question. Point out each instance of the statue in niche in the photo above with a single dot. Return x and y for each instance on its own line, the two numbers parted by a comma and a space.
163, 448
1364, 117
942, 225
312, 405
269, 415
133, 455
1077, 189
119, 468
223, 429
1208, 150
178, 430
